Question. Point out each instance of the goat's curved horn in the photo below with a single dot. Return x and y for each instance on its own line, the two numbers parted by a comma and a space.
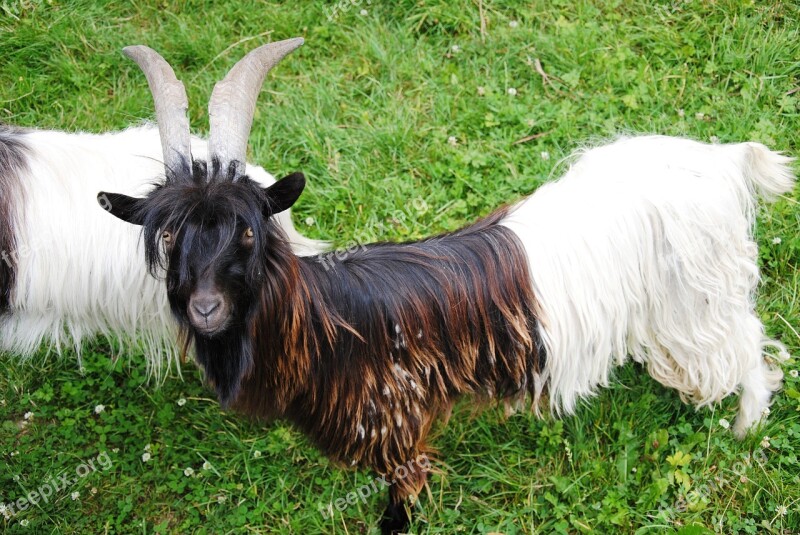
233, 103
171, 104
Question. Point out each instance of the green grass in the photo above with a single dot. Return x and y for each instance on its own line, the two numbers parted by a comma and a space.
365, 109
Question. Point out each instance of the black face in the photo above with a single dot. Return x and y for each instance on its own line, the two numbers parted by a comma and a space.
212, 239
211, 267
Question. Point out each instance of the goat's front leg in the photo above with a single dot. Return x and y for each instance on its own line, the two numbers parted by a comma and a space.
397, 516
406, 481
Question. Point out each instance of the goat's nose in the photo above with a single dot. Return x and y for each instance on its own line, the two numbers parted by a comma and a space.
205, 306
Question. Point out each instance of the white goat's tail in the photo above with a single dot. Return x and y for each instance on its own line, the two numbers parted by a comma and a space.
769, 173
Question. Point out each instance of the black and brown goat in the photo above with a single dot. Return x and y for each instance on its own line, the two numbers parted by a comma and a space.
642, 249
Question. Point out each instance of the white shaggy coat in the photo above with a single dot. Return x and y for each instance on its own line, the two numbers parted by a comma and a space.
79, 271
644, 248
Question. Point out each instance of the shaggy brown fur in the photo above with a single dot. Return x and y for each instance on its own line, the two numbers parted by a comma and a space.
364, 354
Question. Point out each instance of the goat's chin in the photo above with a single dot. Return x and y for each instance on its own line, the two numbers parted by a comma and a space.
210, 331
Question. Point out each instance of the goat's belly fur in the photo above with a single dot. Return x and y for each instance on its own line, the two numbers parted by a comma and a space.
78, 271
645, 248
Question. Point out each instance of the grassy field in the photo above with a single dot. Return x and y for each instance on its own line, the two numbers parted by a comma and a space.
408, 118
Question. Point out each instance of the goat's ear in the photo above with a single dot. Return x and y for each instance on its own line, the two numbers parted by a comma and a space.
121, 206
283, 193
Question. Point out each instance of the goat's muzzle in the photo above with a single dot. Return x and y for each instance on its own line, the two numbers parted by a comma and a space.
209, 312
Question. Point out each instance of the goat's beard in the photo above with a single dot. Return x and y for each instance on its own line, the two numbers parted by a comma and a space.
226, 359
226, 355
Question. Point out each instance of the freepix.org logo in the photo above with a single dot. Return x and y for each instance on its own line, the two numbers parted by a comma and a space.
55, 485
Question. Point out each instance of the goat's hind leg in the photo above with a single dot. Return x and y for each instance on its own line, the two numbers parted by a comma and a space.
757, 386
705, 368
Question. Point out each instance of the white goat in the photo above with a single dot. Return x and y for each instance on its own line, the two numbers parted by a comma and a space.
644, 248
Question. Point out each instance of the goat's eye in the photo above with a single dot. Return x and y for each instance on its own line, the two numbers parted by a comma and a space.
167, 237
247, 237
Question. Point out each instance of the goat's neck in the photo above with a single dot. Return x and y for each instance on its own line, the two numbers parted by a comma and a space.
281, 341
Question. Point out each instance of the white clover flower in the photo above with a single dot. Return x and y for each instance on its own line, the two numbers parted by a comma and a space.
145, 456
75, 495
481, 90
94, 490
776, 240
16, 476
765, 442
545, 155
781, 510
28, 415
181, 402
725, 424
24, 522
513, 23
452, 141
256, 454
364, 12
188, 472
147, 448
793, 373
681, 113
220, 499
99, 408
765, 412
456, 49
310, 221
207, 465
512, 91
